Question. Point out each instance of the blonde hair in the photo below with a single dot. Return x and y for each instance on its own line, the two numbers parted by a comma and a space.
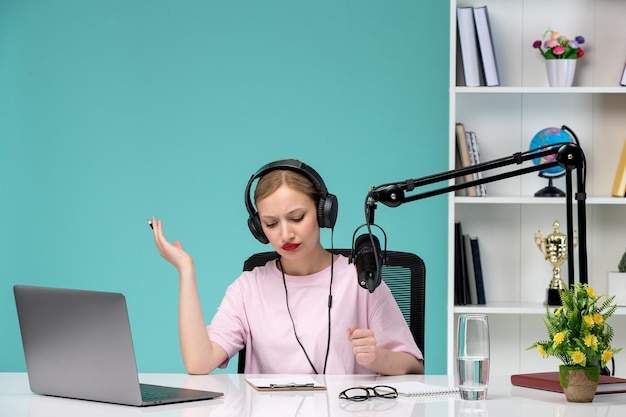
273, 180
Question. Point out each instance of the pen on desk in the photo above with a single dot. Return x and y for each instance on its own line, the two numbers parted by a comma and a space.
292, 385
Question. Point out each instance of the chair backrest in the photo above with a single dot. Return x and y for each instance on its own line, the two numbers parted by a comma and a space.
405, 275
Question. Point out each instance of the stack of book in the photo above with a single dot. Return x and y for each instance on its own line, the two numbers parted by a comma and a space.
469, 287
468, 154
477, 50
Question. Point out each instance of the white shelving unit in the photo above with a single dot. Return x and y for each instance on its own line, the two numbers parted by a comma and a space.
505, 119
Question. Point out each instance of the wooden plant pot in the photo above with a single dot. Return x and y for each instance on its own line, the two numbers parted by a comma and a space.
579, 383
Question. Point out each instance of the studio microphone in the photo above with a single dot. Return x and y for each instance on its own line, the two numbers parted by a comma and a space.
368, 260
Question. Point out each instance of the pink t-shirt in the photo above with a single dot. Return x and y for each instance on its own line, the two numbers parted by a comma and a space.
254, 312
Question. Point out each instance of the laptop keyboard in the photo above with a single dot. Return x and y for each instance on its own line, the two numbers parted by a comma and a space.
154, 395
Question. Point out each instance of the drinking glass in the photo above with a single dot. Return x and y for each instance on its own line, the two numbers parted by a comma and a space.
472, 356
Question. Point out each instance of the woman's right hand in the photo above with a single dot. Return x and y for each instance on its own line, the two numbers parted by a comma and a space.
171, 252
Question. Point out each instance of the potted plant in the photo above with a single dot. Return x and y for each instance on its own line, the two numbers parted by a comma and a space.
579, 336
560, 54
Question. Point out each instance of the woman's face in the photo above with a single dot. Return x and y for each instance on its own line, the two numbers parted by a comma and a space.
289, 220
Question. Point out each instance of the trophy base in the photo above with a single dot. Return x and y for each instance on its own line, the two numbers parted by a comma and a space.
554, 299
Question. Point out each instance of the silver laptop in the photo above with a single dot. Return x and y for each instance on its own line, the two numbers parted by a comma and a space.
78, 344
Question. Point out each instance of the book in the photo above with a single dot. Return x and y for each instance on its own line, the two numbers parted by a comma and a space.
460, 282
421, 389
623, 80
464, 156
469, 266
478, 271
285, 383
549, 381
619, 183
474, 151
469, 46
485, 43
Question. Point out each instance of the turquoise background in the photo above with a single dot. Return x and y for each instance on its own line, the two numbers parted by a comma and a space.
114, 111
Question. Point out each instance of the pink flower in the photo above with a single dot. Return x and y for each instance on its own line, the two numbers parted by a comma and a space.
551, 43
557, 46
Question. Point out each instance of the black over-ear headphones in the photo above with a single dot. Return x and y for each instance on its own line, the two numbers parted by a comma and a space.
326, 208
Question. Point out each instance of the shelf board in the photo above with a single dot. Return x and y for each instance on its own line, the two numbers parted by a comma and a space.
540, 90
513, 308
502, 308
591, 201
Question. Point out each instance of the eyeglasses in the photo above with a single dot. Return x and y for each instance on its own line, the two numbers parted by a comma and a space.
365, 393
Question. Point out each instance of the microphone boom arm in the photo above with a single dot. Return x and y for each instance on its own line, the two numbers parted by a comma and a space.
568, 155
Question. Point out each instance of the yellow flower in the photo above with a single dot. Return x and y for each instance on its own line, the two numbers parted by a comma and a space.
578, 333
558, 338
597, 318
578, 357
590, 340
541, 350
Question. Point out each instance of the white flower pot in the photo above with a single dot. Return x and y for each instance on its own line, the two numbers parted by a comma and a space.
561, 72
616, 285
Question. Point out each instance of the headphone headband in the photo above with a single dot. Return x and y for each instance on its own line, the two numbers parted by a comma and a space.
327, 206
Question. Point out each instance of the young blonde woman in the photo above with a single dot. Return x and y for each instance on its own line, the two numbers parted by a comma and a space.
302, 313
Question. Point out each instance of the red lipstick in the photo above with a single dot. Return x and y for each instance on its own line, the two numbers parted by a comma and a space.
291, 246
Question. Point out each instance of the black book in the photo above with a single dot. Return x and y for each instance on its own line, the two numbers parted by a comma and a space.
478, 271
460, 279
469, 269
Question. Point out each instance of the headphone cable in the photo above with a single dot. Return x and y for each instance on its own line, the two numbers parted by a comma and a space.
293, 324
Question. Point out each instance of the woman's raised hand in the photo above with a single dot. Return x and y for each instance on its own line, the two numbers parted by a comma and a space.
171, 252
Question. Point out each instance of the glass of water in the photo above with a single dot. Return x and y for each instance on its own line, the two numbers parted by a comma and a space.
472, 356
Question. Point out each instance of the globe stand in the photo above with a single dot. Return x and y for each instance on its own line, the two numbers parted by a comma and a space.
550, 190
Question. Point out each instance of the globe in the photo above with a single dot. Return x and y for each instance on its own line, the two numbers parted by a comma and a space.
546, 137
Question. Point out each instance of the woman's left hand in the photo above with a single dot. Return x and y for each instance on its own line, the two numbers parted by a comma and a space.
363, 345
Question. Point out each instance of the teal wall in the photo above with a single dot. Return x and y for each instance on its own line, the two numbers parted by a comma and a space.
114, 111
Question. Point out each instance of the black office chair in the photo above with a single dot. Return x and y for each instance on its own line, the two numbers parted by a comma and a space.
405, 275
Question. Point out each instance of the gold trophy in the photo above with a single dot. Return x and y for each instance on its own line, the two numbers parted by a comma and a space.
554, 248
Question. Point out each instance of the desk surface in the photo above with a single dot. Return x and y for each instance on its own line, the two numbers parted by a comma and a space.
241, 400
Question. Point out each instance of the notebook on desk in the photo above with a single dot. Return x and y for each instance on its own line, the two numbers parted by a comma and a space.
78, 344
549, 381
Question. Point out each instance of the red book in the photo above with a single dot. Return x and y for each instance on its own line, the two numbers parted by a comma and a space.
549, 381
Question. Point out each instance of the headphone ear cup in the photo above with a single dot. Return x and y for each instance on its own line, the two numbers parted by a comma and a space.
327, 211
254, 224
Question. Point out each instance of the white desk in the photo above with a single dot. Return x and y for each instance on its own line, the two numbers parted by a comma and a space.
241, 400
